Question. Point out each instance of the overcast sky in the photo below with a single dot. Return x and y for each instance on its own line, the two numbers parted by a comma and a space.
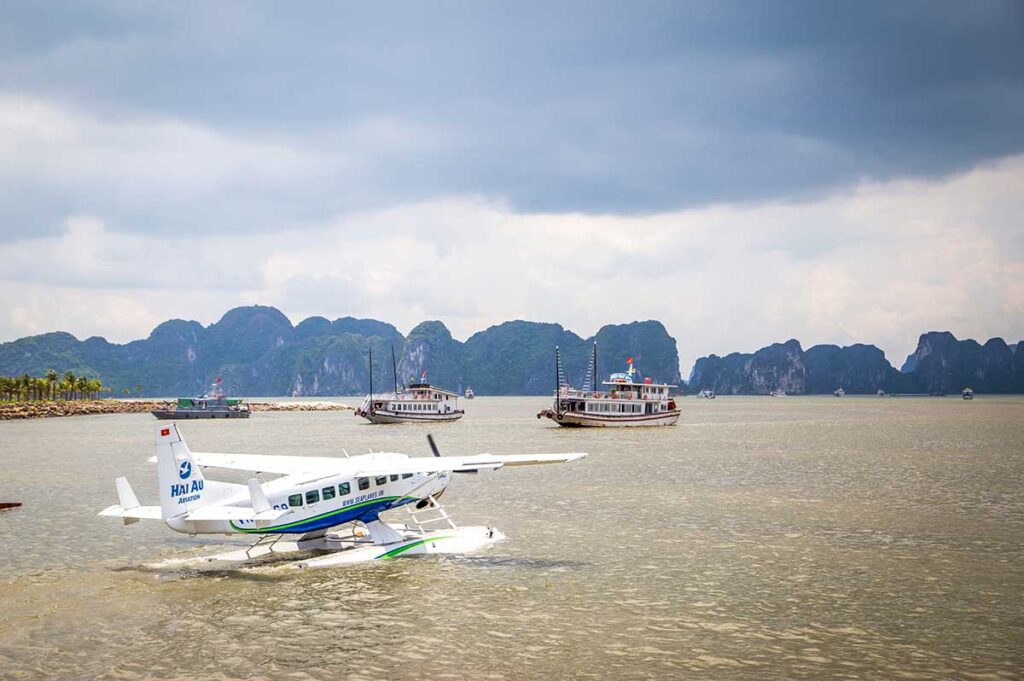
745, 173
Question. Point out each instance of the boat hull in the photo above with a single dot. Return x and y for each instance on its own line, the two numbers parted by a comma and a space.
180, 414
584, 420
390, 417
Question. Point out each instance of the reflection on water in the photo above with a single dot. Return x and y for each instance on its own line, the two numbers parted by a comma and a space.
799, 538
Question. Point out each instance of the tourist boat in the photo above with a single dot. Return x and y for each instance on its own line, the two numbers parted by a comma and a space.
880, 393
469, 393
417, 403
625, 403
839, 392
215, 405
777, 393
967, 394
706, 394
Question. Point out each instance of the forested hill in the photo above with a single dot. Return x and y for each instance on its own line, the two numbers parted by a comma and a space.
940, 364
258, 351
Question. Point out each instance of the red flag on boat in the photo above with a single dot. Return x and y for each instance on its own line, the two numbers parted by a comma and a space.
629, 360
164, 432
647, 380
424, 374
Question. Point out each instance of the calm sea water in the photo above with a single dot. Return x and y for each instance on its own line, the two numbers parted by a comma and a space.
760, 538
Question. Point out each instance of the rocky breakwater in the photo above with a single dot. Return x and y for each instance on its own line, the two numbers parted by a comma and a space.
34, 410
299, 406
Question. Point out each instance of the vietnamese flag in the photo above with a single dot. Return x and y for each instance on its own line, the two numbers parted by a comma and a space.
629, 360
165, 432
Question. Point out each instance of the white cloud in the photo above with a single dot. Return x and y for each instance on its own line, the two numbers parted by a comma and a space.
878, 264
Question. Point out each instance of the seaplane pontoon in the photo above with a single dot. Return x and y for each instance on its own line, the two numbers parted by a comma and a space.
625, 402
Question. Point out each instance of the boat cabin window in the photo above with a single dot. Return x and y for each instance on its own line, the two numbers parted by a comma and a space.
406, 476
295, 500
312, 496
394, 478
381, 480
364, 483
328, 492
344, 489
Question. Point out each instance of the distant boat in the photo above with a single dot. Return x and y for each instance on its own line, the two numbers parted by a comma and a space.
215, 405
777, 393
417, 403
880, 393
967, 394
706, 394
469, 393
625, 403
839, 392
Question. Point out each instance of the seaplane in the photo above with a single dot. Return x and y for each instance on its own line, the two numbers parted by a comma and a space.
322, 504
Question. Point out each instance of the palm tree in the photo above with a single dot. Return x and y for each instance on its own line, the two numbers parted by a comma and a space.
138, 389
126, 392
70, 381
51, 379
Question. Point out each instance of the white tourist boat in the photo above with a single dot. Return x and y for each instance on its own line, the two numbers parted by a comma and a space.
416, 403
706, 394
777, 393
839, 392
469, 393
624, 403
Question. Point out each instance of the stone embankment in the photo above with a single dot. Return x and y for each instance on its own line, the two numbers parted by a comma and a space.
34, 410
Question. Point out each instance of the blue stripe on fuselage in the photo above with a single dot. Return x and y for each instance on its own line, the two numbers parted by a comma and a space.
367, 513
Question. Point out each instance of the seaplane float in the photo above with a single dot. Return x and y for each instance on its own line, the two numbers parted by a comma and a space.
327, 505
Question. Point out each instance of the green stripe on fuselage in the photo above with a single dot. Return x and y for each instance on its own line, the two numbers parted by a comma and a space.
337, 511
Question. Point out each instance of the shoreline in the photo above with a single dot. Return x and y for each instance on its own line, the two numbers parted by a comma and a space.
10, 411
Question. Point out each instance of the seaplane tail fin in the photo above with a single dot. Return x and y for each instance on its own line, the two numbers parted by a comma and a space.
182, 486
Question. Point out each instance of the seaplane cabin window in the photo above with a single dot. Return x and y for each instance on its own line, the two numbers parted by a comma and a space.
344, 489
328, 492
295, 500
405, 476
381, 480
312, 496
394, 478
364, 483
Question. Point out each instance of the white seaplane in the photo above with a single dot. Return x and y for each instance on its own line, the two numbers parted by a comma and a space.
316, 494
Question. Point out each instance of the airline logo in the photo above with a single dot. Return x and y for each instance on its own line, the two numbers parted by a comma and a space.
184, 470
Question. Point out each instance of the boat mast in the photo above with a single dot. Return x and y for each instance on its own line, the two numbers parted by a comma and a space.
394, 367
371, 372
558, 382
596, 384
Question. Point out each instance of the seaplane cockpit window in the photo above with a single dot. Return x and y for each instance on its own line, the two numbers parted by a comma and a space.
312, 496
328, 492
406, 475
364, 483
394, 478
381, 480
295, 500
344, 489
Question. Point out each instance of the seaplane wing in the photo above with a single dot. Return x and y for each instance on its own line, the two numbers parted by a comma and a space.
271, 463
326, 465
478, 462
